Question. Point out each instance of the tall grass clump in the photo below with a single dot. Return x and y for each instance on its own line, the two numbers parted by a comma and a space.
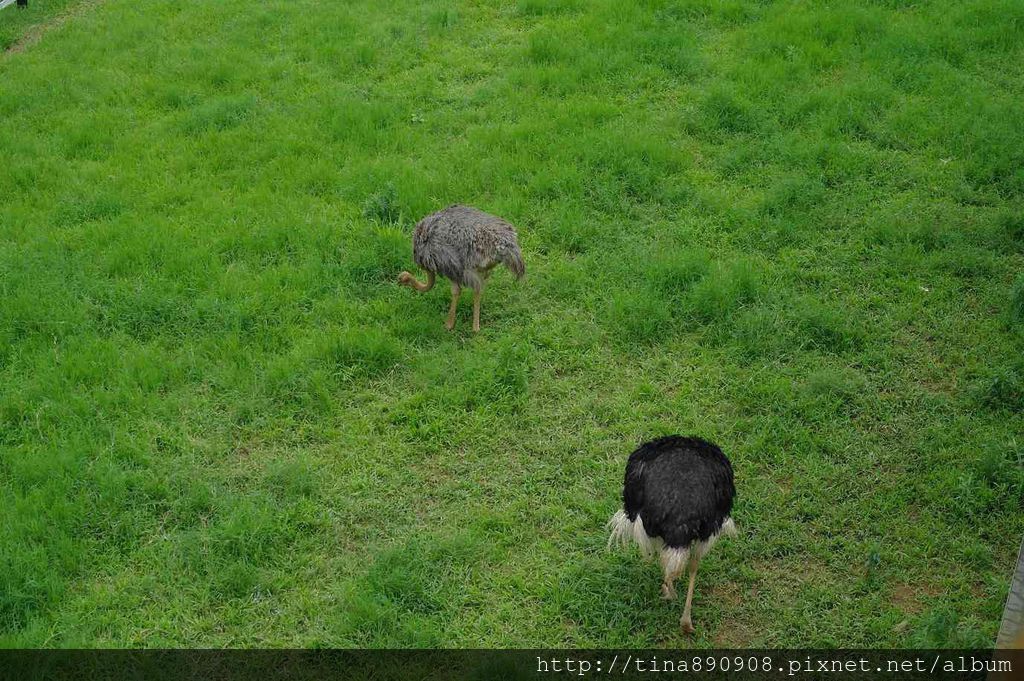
363, 352
726, 289
824, 328
542, 7
672, 274
383, 206
639, 315
495, 377
1002, 390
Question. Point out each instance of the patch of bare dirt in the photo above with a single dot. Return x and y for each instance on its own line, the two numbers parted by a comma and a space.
911, 599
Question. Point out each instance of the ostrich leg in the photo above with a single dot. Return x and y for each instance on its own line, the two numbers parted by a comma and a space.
686, 622
672, 567
477, 292
456, 291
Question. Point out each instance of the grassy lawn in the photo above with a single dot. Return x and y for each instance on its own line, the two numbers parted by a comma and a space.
794, 228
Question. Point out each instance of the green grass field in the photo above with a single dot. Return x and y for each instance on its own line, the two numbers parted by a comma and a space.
794, 228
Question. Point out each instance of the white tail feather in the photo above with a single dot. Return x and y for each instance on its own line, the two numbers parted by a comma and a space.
623, 530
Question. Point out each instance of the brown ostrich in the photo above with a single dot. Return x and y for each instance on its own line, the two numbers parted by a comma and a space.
463, 244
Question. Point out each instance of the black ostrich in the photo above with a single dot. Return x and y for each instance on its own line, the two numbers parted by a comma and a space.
677, 500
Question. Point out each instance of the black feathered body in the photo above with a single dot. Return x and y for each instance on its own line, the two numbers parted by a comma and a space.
464, 244
677, 496
682, 488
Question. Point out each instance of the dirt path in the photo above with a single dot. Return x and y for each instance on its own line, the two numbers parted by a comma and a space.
35, 33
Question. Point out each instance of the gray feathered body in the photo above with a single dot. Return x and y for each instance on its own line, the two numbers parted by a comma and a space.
464, 244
